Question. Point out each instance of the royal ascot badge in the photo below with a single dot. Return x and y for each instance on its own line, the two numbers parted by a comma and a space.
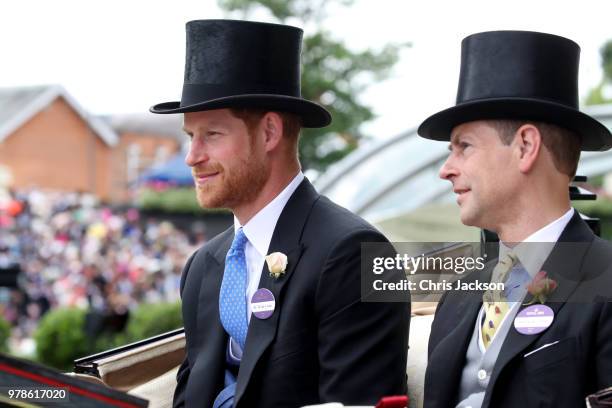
277, 264
263, 303
540, 288
534, 319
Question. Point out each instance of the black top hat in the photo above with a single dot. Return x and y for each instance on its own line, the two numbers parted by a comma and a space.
519, 75
234, 64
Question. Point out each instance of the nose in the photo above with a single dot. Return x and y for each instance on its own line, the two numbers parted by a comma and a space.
448, 171
196, 154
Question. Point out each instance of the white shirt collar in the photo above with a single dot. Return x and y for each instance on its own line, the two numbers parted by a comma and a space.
260, 228
533, 256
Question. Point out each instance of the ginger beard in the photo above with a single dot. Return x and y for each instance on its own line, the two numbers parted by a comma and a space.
237, 182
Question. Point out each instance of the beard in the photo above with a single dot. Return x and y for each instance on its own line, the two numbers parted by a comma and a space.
239, 183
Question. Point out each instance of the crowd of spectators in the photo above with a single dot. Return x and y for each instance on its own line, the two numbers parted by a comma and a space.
74, 251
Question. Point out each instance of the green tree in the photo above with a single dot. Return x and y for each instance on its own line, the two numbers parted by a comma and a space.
596, 95
60, 338
332, 74
149, 320
5, 333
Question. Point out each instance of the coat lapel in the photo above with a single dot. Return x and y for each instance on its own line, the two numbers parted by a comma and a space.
211, 339
286, 239
447, 359
208, 301
563, 266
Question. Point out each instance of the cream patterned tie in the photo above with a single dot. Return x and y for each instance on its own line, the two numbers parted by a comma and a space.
495, 303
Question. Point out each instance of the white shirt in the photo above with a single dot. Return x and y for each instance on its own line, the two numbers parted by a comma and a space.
259, 232
532, 257
545, 239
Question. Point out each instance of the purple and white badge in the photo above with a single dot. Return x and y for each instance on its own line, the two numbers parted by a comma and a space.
263, 303
534, 319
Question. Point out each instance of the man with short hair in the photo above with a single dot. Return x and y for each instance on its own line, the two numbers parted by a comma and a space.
515, 139
272, 307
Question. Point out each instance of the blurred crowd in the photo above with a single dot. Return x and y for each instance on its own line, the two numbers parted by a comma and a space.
73, 251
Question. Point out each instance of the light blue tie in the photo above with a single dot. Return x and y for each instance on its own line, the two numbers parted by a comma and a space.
232, 302
518, 278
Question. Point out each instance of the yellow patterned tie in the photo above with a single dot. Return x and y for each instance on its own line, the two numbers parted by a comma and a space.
496, 305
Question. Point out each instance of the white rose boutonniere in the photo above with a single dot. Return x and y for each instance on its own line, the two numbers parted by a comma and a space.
277, 264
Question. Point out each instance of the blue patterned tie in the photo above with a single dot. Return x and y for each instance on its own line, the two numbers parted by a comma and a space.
232, 302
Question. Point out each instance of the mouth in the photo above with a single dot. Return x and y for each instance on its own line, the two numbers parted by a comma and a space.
204, 178
460, 193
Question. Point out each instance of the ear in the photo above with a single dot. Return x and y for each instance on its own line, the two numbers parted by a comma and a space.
528, 140
272, 128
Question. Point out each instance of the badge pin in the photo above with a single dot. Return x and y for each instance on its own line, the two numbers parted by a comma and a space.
534, 319
263, 303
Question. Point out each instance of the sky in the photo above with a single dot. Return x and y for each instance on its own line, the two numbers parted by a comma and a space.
124, 56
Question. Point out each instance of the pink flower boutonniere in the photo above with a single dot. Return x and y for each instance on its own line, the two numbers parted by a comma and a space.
540, 288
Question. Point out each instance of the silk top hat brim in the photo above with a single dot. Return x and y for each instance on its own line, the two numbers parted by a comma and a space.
311, 114
519, 75
244, 64
594, 135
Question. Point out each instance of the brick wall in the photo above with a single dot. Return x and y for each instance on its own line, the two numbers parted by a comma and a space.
56, 149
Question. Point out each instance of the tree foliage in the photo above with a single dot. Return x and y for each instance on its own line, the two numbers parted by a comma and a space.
598, 95
149, 320
173, 200
61, 334
5, 333
332, 74
60, 338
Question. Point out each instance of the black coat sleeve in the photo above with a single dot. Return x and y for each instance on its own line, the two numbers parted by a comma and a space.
362, 346
183, 372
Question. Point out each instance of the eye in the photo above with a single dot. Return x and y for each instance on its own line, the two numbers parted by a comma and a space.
211, 134
462, 145
459, 146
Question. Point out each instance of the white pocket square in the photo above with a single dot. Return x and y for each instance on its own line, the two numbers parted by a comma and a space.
541, 348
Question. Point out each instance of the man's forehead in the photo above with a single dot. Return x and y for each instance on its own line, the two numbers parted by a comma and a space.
472, 129
205, 118
459, 131
456, 134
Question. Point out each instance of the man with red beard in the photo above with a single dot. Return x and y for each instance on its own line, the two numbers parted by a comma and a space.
272, 307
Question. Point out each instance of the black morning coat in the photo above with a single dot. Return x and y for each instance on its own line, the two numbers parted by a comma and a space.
322, 343
578, 360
